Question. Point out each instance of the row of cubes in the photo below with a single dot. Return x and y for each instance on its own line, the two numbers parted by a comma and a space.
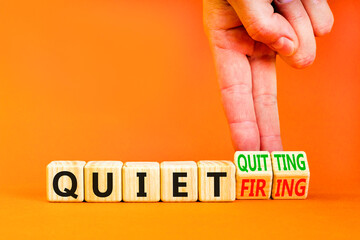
252, 175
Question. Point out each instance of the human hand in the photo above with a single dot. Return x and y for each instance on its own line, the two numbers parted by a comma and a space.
245, 36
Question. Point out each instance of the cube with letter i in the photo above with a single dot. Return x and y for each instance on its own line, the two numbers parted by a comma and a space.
141, 182
179, 181
291, 175
65, 181
216, 181
103, 181
253, 175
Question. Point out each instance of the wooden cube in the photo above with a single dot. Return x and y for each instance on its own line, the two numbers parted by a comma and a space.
103, 181
141, 182
253, 175
64, 181
216, 181
179, 181
291, 175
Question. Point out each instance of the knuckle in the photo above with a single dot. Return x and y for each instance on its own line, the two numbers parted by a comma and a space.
238, 88
266, 99
273, 139
297, 17
258, 29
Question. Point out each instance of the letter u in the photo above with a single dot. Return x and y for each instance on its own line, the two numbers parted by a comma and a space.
96, 185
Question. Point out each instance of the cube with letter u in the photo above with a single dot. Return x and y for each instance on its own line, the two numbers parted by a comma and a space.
103, 181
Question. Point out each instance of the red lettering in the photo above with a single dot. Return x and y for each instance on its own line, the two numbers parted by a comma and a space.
243, 187
288, 188
277, 194
260, 187
302, 188
251, 194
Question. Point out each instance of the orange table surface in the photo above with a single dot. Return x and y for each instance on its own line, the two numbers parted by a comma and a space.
135, 81
321, 216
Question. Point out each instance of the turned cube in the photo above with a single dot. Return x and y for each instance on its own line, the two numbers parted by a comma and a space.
216, 181
179, 181
141, 182
291, 175
103, 181
253, 174
65, 181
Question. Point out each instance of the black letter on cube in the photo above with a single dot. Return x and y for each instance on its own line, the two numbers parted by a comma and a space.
216, 176
177, 184
96, 185
67, 192
141, 176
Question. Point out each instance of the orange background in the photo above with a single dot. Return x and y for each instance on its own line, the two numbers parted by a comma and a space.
135, 80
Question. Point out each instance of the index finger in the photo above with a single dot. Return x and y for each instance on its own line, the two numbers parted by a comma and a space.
234, 76
265, 98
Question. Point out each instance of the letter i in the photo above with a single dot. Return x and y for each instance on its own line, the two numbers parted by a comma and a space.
259, 165
284, 161
252, 187
277, 194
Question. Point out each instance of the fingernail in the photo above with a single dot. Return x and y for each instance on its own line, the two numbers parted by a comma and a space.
284, 1
284, 46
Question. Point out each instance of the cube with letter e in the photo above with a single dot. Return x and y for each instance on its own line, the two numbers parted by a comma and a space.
179, 181
291, 175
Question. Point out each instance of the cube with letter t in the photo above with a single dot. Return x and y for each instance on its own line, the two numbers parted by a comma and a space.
179, 181
65, 181
253, 175
216, 181
291, 175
